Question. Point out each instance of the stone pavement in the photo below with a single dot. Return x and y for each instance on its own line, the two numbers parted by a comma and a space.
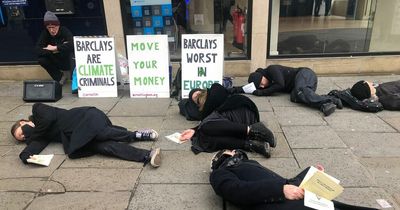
360, 149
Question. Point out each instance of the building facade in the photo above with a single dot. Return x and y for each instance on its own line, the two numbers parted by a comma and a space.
329, 36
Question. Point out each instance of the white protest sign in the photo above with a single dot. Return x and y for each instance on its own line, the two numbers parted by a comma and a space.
148, 57
202, 61
95, 66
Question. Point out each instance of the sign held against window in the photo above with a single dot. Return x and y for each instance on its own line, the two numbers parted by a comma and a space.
95, 66
202, 61
148, 57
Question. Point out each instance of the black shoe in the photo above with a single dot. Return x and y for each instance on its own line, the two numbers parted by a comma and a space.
337, 102
328, 108
259, 132
259, 147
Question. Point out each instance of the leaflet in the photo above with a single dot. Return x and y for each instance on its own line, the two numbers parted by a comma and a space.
249, 88
43, 160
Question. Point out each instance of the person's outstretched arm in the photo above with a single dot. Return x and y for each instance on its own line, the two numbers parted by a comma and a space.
277, 83
33, 148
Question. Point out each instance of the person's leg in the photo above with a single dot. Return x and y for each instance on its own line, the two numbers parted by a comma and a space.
113, 133
225, 128
328, 4
316, 7
120, 150
48, 63
304, 89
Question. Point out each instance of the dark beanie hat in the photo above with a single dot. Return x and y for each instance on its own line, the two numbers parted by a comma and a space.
50, 19
361, 90
256, 78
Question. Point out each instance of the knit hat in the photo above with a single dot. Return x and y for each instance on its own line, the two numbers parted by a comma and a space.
361, 90
50, 19
255, 77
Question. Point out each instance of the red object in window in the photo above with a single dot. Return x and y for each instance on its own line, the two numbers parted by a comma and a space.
238, 25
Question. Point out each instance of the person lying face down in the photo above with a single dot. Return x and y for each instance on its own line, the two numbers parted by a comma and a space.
83, 131
249, 185
388, 93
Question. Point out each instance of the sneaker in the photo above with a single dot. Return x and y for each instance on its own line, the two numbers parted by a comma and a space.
155, 157
328, 108
147, 134
259, 132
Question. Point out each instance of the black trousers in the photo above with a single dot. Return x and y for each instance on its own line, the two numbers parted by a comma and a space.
305, 85
114, 141
55, 63
317, 6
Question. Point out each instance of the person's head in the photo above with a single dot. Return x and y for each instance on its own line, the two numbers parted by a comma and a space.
199, 97
51, 23
363, 90
226, 158
22, 129
259, 80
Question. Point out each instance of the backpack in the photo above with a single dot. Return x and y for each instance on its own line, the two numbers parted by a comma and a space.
366, 105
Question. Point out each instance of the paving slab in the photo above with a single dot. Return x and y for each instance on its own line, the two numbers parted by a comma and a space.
312, 137
11, 88
5, 149
270, 120
22, 184
104, 104
179, 167
5, 134
141, 107
167, 144
15, 200
176, 196
12, 167
358, 121
136, 123
397, 198
262, 103
288, 116
282, 148
103, 162
92, 179
372, 144
81, 200
178, 123
21, 112
366, 197
340, 163
386, 172
281, 99
290, 170
52, 187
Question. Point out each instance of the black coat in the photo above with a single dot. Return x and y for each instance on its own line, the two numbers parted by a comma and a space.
389, 95
63, 40
74, 128
249, 185
281, 79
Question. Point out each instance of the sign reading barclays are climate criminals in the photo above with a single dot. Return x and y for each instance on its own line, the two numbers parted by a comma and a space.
202, 61
148, 57
95, 66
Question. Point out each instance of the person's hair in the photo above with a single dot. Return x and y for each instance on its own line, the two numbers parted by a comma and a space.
201, 99
361, 90
16, 125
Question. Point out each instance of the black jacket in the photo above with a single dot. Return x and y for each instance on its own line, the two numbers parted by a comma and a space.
281, 79
389, 95
249, 185
74, 128
63, 40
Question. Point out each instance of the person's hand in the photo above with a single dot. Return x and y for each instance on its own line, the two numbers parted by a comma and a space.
320, 167
51, 48
293, 192
186, 135
257, 93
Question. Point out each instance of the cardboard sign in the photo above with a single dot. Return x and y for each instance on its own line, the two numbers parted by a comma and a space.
202, 61
95, 66
148, 57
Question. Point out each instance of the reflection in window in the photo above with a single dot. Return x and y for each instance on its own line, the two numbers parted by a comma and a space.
229, 17
306, 27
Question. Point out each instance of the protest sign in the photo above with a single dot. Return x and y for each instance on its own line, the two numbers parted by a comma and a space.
148, 57
95, 66
202, 61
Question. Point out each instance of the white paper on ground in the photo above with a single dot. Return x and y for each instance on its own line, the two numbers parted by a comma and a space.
175, 137
313, 201
249, 88
383, 203
43, 160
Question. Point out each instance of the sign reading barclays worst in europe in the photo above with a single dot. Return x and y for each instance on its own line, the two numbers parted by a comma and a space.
148, 57
95, 66
202, 61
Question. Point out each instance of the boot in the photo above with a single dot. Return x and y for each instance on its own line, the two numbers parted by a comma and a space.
258, 147
66, 75
328, 108
259, 132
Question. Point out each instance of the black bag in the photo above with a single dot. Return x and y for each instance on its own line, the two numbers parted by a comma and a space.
176, 89
366, 105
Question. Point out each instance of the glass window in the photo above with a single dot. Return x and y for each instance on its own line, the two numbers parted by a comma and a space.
333, 27
229, 17
21, 25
